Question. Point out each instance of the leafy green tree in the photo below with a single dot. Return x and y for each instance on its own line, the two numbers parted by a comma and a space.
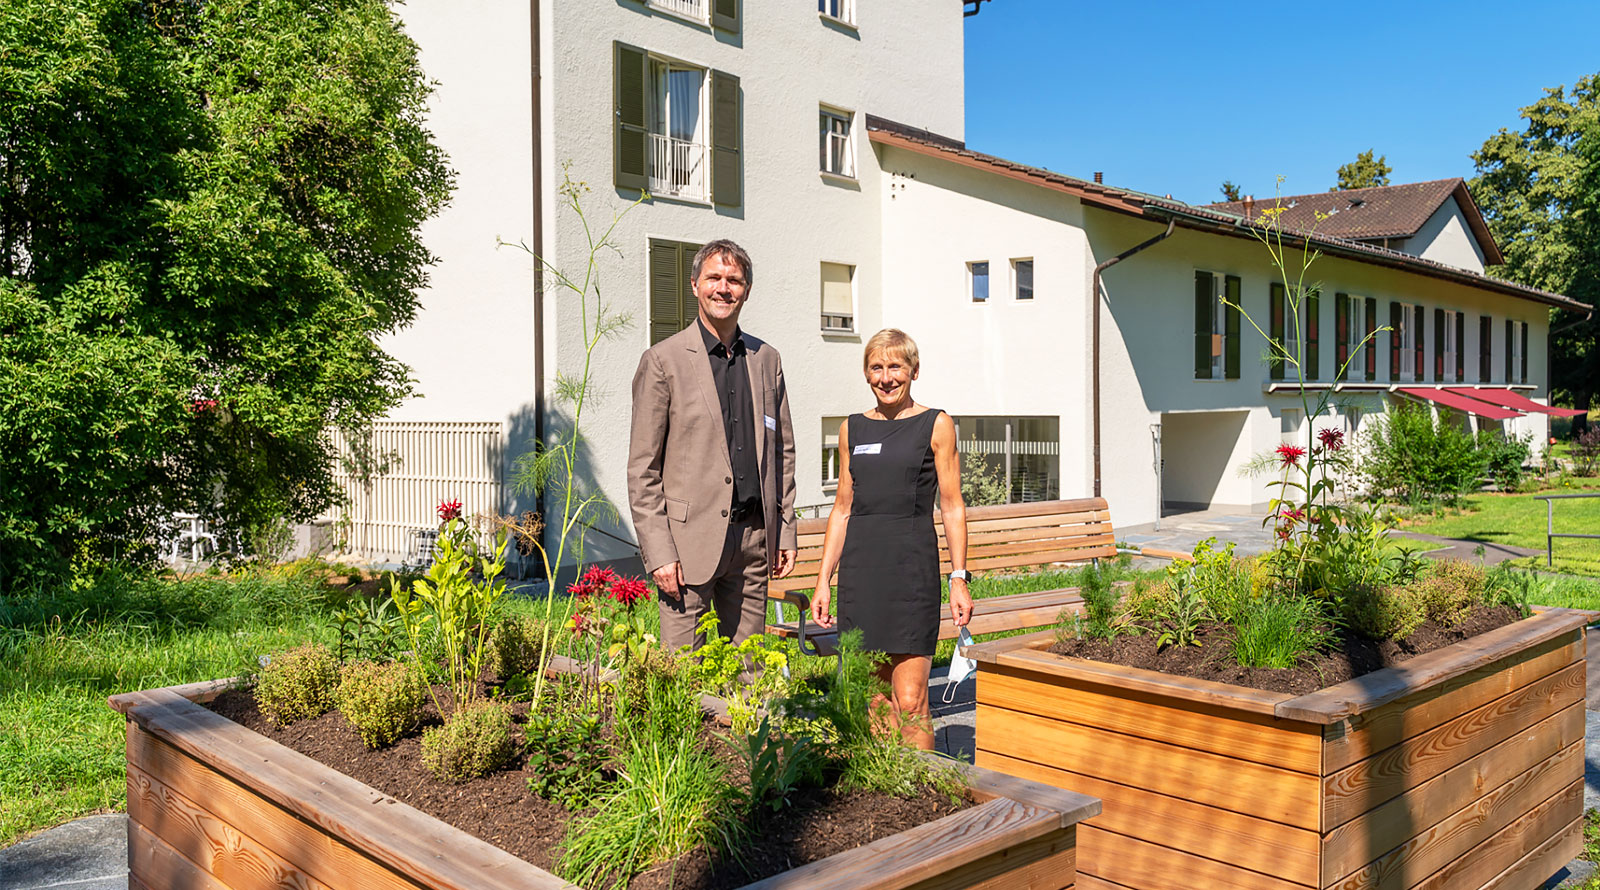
209, 213
1363, 172
1539, 190
1230, 190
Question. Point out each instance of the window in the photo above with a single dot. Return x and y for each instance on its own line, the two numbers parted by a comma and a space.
1289, 426
1290, 332
672, 302
830, 451
978, 281
693, 10
1024, 453
1516, 351
838, 298
1405, 356
1485, 349
843, 10
1216, 326
837, 154
1354, 320
1022, 279
676, 137
1446, 346
722, 14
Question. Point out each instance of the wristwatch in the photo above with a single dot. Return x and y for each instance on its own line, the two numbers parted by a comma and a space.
961, 574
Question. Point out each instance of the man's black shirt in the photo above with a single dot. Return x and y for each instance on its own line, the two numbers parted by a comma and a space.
730, 372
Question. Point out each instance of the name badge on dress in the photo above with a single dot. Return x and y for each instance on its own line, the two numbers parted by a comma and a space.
869, 448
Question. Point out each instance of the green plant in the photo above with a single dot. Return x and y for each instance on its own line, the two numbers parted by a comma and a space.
1100, 597
1586, 453
474, 741
1449, 590
1504, 457
778, 764
1187, 610
1277, 631
516, 647
981, 483
567, 755
383, 701
746, 675
1385, 612
1413, 456
1505, 586
297, 684
449, 607
368, 629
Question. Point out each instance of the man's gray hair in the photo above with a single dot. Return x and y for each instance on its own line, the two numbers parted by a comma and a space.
728, 250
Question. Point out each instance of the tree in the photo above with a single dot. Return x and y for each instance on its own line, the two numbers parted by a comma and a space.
209, 213
1363, 172
1539, 190
1230, 190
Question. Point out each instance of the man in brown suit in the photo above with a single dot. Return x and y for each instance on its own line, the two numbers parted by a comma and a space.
711, 461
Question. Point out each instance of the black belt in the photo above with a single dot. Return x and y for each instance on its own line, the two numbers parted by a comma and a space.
741, 512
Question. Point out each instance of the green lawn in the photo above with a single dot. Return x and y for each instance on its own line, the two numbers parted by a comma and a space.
1519, 520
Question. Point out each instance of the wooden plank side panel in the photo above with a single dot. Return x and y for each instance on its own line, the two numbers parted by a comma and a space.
1027, 653
1207, 832
1045, 863
1438, 845
1364, 838
1135, 863
153, 862
215, 845
1534, 869
1224, 782
304, 847
1203, 727
1364, 785
1415, 714
1549, 821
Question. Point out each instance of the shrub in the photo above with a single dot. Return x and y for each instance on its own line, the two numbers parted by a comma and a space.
1586, 452
382, 701
474, 742
1505, 457
298, 684
1277, 631
1100, 598
981, 483
1386, 612
1417, 458
516, 647
1449, 590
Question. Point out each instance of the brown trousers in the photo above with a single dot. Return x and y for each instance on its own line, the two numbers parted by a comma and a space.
737, 589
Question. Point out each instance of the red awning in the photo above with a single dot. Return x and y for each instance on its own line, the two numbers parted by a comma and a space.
1460, 402
1513, 399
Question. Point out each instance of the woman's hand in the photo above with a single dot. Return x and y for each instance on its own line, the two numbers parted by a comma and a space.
821, 598
960, 602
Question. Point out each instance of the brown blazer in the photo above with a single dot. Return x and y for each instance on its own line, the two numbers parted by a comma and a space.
680, 478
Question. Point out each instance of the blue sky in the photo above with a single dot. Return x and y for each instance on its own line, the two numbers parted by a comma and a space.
1175, 97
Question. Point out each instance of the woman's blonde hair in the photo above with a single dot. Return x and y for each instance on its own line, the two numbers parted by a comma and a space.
893, 342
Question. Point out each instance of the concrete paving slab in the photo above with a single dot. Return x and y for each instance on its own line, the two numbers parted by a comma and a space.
86, 854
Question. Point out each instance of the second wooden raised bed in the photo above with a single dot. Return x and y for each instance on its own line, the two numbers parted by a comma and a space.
1461, 769
215, 806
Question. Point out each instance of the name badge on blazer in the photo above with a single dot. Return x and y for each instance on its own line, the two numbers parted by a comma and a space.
770, 421
869, 448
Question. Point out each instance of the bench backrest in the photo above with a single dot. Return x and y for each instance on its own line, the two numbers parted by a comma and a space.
1001, 536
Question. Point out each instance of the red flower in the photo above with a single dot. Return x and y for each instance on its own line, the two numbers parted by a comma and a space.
449, 510
576, 623
1332, 439
1284, 532
200, 406
593, 581
628, 591
1291, 454
1294, 515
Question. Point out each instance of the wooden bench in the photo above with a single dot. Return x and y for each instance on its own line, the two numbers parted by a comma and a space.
1041, 533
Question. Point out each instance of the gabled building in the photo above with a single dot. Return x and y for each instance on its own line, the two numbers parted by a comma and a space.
1071, 328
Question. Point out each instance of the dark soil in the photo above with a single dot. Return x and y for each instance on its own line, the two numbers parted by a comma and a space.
1350, 656
500, 809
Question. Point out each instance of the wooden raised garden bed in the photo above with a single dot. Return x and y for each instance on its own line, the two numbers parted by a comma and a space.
1461, 768
214, 806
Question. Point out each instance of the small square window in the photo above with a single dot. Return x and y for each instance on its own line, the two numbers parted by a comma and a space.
978, 274
1022, 276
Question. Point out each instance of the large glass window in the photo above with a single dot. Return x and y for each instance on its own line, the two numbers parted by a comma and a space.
1023, 452
677, 130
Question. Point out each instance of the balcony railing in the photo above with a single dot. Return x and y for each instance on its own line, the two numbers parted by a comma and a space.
677, 167
689, 9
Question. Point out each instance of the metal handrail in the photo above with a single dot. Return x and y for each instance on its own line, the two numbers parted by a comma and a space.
1550, 523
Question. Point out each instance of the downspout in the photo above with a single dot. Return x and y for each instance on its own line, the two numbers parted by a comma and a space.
1094, 288
538, 239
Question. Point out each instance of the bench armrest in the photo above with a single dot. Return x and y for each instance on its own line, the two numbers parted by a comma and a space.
802, 603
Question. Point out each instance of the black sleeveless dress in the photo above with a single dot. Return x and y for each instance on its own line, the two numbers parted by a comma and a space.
889, 571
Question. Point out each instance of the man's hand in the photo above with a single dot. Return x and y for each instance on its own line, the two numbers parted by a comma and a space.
785, 564
669, 580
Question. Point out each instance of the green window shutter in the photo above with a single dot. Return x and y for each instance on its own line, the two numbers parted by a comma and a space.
1523, 376
1461, 347
1485, 348
1438, 345
1420, 318
1205, 303
691, 305
629, 83
1341, 332
1313, 330
1371, 341
1510, 332
1230, 328
1275, 330
726, 139
1395, 313
667, 289
725, 15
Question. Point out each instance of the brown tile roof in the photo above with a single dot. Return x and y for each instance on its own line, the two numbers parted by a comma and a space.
883, 132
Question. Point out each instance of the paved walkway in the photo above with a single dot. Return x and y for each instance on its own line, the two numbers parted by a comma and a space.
91, 853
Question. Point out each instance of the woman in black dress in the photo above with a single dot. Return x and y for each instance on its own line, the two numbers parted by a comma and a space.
893, 460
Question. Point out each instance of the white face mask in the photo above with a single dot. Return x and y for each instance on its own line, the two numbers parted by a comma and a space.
961, 667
